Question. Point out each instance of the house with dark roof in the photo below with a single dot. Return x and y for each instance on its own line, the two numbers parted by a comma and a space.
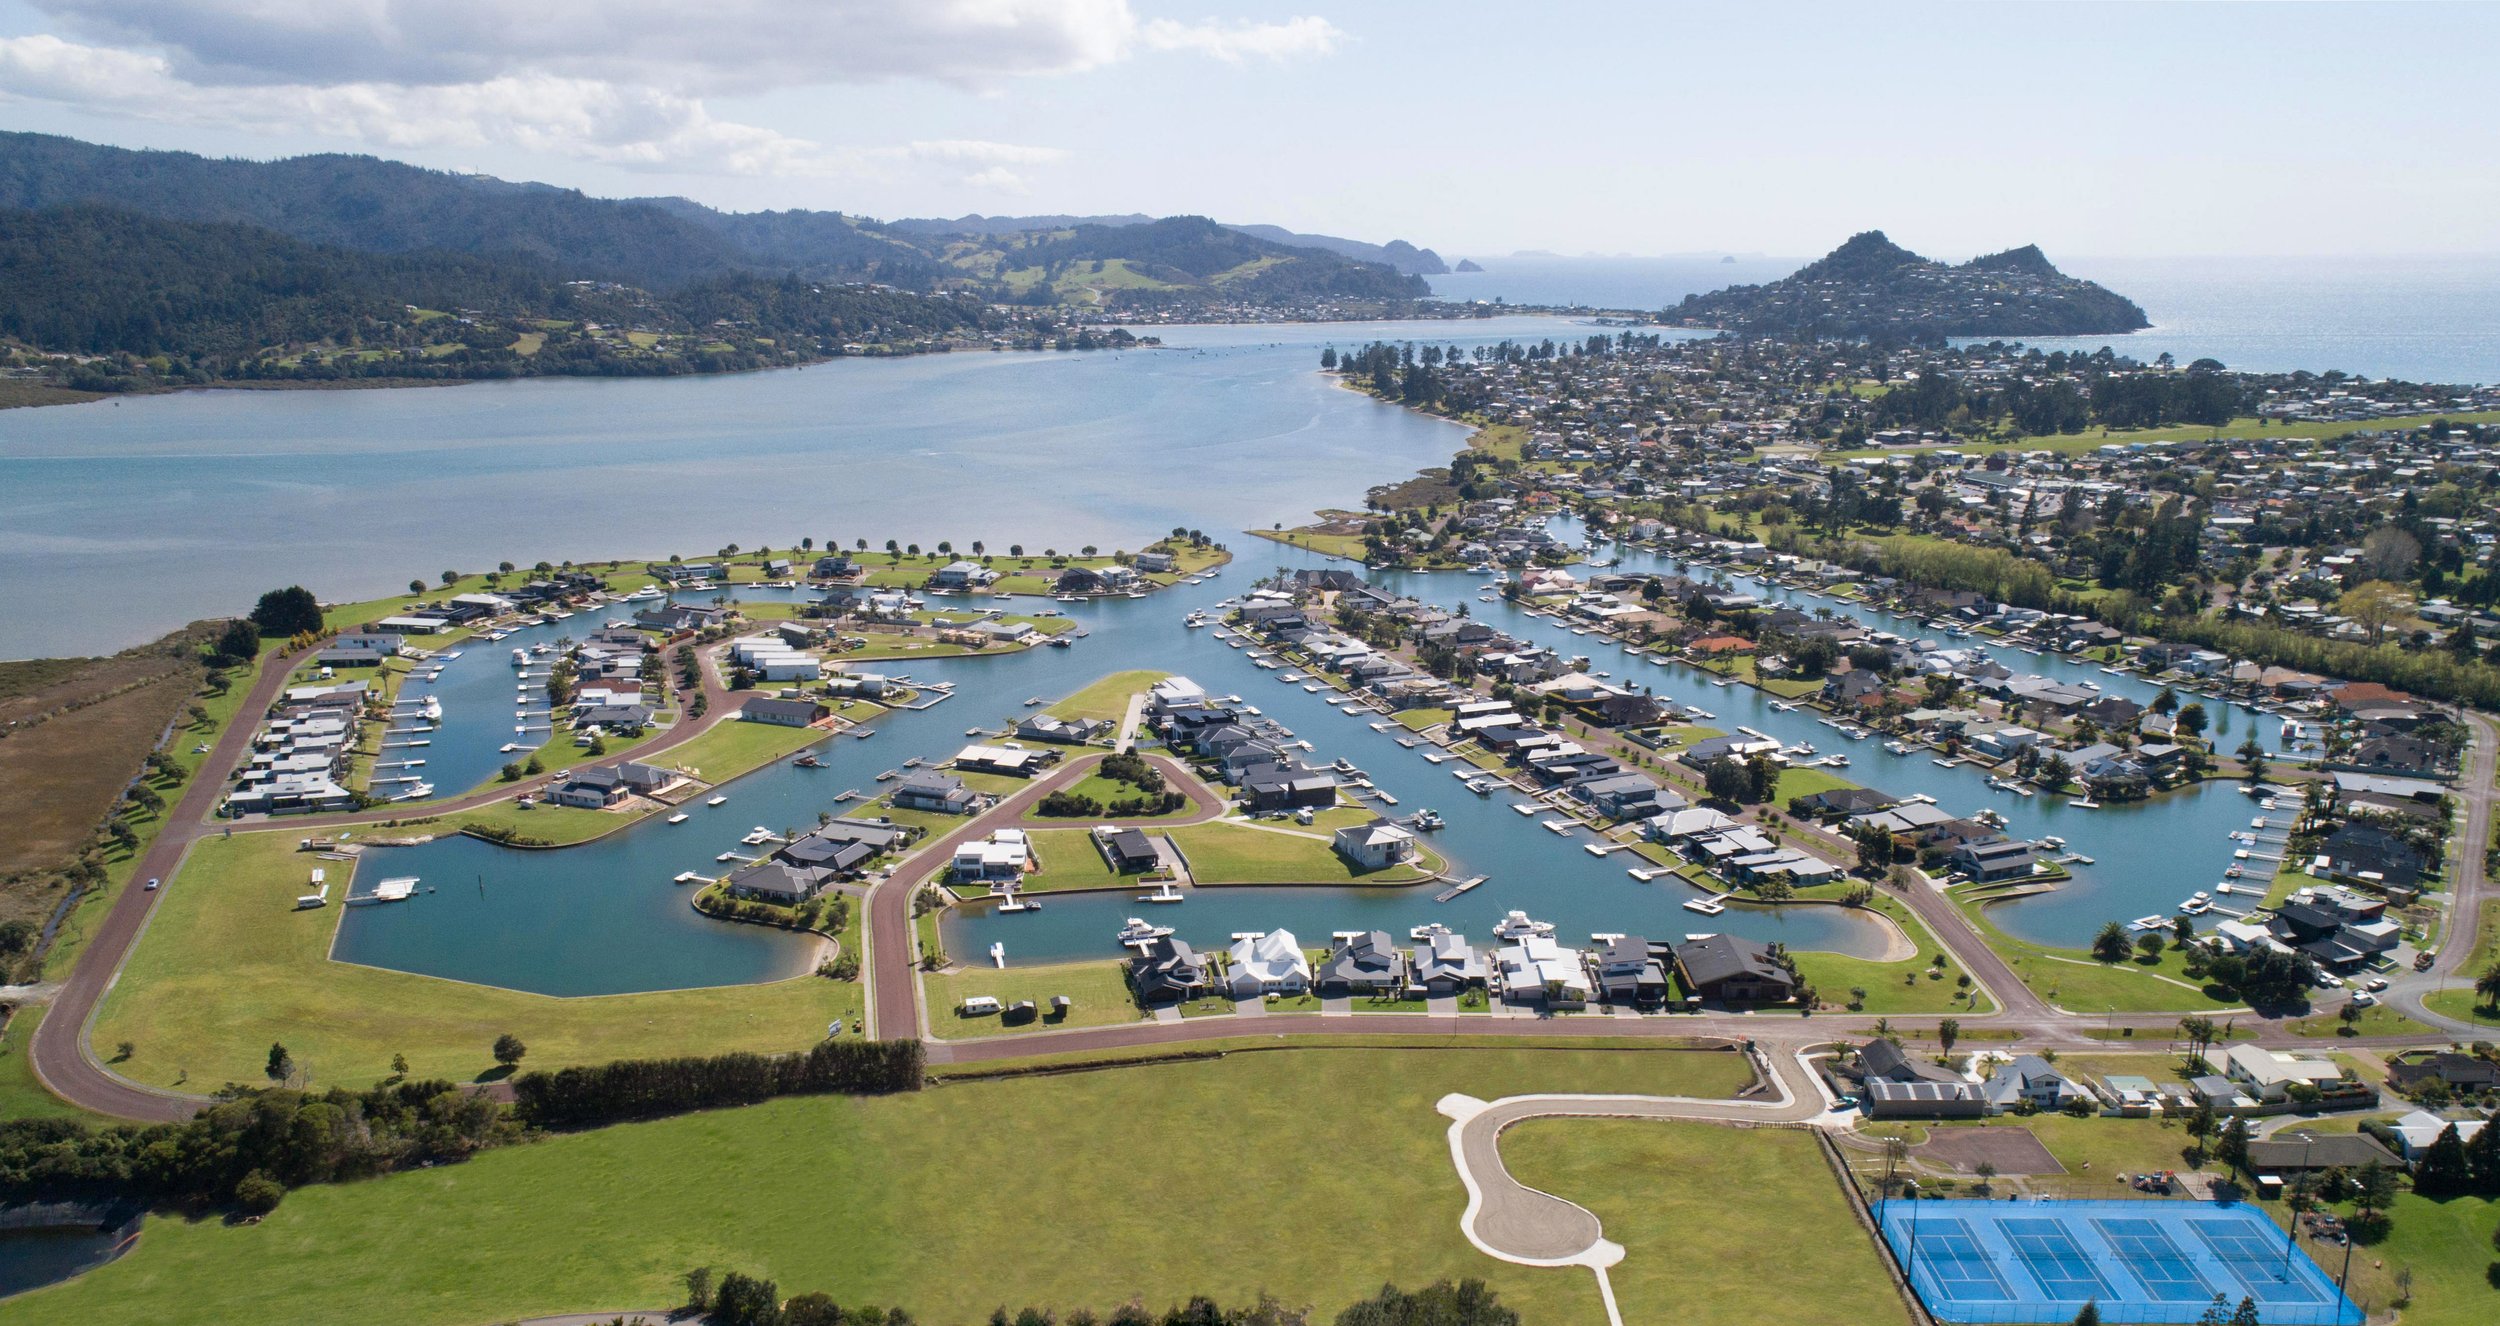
2369, 855
943, 793
1274, 788
1166, 971
776, 881
1366, 964
1989, 861
1128, 851
1727, 969
1846, 803
2305, 1151
2028, 1079
2457, 1072
780, 712
1627, 972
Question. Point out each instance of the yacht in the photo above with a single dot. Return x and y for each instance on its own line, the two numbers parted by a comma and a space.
1137, 932
1517, 925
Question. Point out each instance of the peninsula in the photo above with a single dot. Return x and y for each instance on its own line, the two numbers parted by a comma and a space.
1872, 288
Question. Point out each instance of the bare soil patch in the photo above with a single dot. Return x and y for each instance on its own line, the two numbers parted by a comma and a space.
2010, 1150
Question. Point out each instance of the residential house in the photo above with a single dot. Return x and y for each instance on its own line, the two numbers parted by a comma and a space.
1365, 964
1726, 969
1127, 851
1166, 971
1446, 964
1377, 845
782, 712
2269, 1074
943, 793
776, 881
1271, 963
1628, 973
2028, 1079
1536, 969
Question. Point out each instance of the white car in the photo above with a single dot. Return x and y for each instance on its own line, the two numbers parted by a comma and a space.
152, 883
2364, 999
2375, 984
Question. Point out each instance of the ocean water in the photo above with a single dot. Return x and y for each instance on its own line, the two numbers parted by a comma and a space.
2427, 319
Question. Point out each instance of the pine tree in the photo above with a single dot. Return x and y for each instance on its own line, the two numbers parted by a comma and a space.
2091, 1314
2443, 1171
2482, 1162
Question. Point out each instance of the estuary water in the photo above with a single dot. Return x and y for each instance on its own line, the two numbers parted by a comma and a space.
120, 520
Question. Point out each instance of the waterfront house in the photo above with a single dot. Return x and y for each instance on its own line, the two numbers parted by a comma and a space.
1986, 862
1128, 851
1627, 973
1014, 761
1002, 856
1366, 964
1065, 731
942, 793
776, 881
1730, 970
1274, 789
2368, 855
1166, 971
962, 575
1539, 970
589, 789
1445, 964
782, 712
1271, 963
1378, 845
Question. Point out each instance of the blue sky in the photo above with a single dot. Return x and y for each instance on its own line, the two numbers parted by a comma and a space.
2100, 129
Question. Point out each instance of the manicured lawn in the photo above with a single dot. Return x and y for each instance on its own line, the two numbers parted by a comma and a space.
1111, 790
1099, 991
1069, 861
2072, 980
735, 746
1419, 719
1887, 991
1107, 698
1349, 546
227, 967
553, 824
2378, 1020
1224, 853
1805, 783
1788, 1252
1018, 1191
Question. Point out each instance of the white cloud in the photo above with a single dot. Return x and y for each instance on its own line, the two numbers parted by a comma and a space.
631, 127
1232, 42
620, 82
714, 46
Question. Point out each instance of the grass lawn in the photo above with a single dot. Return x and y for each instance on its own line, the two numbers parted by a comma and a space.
877, 1200
2459, 1001
1223, 853
1070, 861
21, 1096
1887, 988
1108, 790
1419, 719
1098, 989
734, 747
1613, 1167
1348, 546
227, 967
2377, 1020
554, 824
1805, 783
2072, 980
1107, 698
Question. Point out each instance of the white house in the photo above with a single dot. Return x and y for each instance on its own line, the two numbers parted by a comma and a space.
2416, 1131
1003, 855
1375, 846
1266, 964
2270, 1073
1539, 969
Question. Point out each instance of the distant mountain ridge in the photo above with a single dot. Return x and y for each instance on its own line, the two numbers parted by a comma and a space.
367, 204
1870, 287
1397, 253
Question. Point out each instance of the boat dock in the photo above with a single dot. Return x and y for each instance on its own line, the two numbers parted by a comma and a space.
1460, 887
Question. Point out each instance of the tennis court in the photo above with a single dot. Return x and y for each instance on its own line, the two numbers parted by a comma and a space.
2140, 1261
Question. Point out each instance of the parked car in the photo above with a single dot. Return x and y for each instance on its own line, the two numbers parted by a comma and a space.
2375, 984
2364, 999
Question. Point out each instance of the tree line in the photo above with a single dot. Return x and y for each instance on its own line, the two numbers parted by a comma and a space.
738, 1299
589, 1097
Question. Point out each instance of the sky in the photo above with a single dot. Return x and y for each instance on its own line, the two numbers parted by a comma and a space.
1474, 128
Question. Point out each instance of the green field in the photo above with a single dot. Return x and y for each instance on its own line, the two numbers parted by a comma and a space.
1348, 546
1020, 1191
227, 967
1663, 1192
21, 1096
1107, 698
539, 821
2459, 1000
1228, 853
1098, 991
735, 746
2072, 980
1069, 860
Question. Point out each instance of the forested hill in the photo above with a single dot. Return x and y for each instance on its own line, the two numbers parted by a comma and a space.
143, 301
1397, 253
1873, 288
1177, 260
371, 205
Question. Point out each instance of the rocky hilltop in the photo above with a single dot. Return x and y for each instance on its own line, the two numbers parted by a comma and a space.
1873, 288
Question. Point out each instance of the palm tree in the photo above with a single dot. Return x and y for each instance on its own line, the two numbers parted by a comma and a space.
2488, 985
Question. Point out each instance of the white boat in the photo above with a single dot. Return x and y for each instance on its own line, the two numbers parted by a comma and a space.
691, 877
998, 954
1899, 747
1138, 932
1517, 925
1428, 932
716, 801
678, 818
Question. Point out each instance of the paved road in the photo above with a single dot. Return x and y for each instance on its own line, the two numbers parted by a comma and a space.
2473, 891
60, 1052
894, 980
1517, 1223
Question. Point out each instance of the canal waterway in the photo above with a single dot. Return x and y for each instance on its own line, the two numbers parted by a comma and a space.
604, 918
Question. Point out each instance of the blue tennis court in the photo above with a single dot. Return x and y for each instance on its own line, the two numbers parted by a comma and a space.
2139, 1261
